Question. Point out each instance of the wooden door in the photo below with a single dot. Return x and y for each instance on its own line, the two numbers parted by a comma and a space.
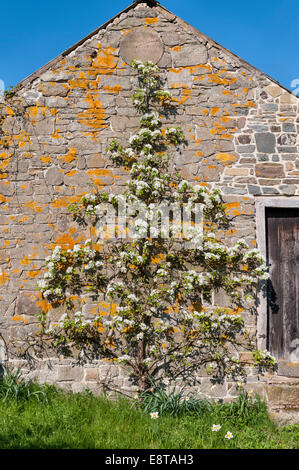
282, 227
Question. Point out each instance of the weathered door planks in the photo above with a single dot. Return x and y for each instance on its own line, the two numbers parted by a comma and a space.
283, 288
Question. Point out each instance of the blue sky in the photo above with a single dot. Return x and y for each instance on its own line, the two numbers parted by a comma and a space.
262, 32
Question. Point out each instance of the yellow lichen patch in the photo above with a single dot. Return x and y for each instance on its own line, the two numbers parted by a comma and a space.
178, 70
186, 94
177, 48
45, 159
43, 304
33, 274
25, 261
56, 134
24, 218
95, 116
232, 205
67, 242
157, 259
34, 206
4, 278
105, 61
214, 111
72, 172
27, 155
34, 111
96, 173
21, 139
214, 78
59, 203
9, 111
112, 89
99, 172
151, 20
21, 318
5, 160
80, 82
250, 104
3, 199
226, 158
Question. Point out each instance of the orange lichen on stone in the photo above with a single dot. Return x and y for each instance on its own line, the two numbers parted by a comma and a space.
72, 172
5, 159
226, 158
67, 242
33, 205
59, 203
33, 274
214, 111
24, 218
71, 155
22, 139
186, 94
45, 159
151, 20
95, 116
34, 111
232, 205
157, 259
3, 199
105, 61
81, 82
112, 89
25, 261
43, 304
56, 135
20, 318
4, 278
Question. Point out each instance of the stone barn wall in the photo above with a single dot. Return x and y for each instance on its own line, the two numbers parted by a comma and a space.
242, 132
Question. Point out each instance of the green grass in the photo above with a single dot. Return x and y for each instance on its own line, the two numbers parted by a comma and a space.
57, 420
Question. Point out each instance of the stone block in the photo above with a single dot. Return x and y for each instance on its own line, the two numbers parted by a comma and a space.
69, 373
54, 176
274, 90
237, 171
245, 148
188, 55
288, 189
269, 170
265, 142
288, 98
254, 190
289, 127
91, 375
283, 395
26, 304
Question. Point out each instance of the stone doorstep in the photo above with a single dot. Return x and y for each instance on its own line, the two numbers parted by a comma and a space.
282, 394
281, 380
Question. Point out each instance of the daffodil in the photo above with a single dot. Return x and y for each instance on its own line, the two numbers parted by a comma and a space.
228, 435
216, 427
155, 415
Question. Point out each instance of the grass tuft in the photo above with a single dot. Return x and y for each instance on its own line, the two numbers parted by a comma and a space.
42, 417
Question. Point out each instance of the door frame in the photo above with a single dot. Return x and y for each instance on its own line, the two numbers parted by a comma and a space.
261, 204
